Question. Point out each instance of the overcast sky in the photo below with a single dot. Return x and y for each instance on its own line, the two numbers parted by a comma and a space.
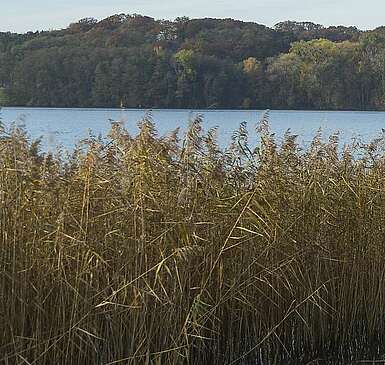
24, 15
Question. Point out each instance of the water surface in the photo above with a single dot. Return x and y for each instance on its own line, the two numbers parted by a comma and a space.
67, 126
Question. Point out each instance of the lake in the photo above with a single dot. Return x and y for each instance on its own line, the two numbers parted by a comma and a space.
67, 126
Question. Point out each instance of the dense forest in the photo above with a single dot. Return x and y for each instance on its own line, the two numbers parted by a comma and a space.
137, 61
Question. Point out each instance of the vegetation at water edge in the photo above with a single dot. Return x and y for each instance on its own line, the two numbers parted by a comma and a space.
170, 250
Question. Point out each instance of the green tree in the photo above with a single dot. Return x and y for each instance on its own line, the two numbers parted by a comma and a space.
4, 100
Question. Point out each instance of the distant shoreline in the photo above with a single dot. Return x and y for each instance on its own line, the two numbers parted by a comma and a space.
194, 109
135, 60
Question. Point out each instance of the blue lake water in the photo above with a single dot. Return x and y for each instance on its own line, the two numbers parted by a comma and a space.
67, 126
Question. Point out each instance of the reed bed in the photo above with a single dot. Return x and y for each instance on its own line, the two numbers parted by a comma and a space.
170, 250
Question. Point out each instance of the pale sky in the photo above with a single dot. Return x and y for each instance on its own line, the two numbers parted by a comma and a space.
24, 15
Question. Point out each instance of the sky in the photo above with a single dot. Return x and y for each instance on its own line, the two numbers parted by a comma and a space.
31, 15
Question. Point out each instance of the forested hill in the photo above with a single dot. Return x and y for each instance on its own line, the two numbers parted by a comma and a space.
137, 61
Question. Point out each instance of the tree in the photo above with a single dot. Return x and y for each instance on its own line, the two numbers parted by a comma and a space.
4, 100
194, 63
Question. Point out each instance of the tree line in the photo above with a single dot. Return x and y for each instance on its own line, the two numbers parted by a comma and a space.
137, 61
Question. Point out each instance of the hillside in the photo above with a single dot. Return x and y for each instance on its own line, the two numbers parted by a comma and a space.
137, 61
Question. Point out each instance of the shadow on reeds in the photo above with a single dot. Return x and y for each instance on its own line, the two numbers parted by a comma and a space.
155, 250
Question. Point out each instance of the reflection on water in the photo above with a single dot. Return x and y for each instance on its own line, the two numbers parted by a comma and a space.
67, 126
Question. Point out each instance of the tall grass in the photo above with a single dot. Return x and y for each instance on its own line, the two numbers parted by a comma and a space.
155, 250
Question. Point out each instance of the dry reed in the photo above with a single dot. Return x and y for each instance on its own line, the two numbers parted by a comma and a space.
155, 250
